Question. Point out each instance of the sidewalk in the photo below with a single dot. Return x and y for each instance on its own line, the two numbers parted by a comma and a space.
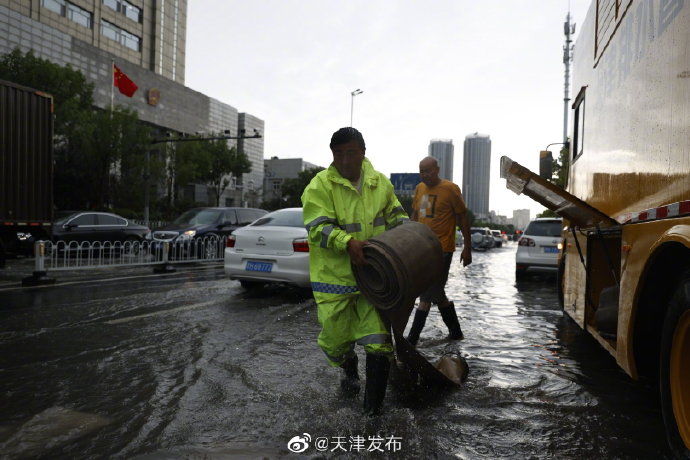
17, 269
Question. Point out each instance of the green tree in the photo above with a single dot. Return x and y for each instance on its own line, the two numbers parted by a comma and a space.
223, 163
187, 163
292, 189
561, 167
547, 213
98, 154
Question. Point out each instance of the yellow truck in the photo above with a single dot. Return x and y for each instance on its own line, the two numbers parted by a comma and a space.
625, 263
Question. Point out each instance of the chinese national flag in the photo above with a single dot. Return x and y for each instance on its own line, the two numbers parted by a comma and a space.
123, 83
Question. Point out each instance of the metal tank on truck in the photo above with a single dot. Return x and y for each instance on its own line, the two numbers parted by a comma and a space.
26, 168
625, 265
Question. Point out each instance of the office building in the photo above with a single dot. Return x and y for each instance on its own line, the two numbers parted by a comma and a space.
276, 170
146, 40
476, 166
442, 150
521, 218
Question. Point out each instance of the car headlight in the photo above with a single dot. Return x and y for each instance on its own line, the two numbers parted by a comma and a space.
23, 236
188, 234
148, 236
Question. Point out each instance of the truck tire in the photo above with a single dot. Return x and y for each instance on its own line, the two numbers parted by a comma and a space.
2, 254
674, 369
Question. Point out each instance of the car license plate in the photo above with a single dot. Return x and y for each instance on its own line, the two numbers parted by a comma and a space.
550, 249
259, 266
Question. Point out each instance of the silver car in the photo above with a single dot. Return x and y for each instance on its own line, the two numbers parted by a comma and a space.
271, 249
538, 247
482, 238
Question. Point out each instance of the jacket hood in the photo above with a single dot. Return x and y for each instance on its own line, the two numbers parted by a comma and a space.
368, 175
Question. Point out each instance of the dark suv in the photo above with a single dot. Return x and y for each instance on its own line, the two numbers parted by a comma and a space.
199, 223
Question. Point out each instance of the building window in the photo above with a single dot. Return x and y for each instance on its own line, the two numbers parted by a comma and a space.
56, 6
131, 11
70, 11
131, 41
125, 38
579, 125
126, 8
79, 15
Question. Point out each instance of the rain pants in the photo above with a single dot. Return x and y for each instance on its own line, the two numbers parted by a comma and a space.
334, 213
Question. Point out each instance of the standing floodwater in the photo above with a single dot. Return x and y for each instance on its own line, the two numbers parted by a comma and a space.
190, 364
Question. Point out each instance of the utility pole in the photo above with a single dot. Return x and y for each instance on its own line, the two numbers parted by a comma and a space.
568, 30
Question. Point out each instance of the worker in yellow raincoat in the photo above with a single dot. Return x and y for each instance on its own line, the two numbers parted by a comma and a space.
345, 205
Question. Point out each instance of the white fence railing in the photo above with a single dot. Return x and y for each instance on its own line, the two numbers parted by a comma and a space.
62, 255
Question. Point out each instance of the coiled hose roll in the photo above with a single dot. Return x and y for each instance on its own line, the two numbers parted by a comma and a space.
402, 263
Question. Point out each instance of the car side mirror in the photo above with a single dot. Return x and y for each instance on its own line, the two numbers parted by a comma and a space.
69, 226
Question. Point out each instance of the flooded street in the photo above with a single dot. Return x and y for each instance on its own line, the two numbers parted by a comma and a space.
189, 364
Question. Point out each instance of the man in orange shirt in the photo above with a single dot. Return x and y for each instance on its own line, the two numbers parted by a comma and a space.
438, 204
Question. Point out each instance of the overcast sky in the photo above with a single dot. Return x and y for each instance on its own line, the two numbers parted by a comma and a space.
428, 69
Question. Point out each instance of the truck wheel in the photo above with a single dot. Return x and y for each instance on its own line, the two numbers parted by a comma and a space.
2, 254
674, 372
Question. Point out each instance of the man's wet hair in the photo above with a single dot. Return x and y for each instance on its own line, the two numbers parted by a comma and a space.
345, 135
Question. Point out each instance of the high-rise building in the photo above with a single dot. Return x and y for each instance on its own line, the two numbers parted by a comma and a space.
521, 218
442, 150
146, 40
475, 174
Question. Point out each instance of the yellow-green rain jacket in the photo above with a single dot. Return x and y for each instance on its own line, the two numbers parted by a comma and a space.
334, 213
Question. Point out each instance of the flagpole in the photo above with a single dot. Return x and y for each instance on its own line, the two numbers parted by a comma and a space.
112, 86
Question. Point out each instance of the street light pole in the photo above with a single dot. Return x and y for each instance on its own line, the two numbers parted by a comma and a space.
352, 102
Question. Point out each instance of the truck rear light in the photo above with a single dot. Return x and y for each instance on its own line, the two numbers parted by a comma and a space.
300, 245
524, 241
230, 242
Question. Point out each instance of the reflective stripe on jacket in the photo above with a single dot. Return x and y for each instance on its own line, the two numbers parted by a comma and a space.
334, 213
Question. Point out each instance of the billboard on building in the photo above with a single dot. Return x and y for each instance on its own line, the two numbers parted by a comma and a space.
405, 183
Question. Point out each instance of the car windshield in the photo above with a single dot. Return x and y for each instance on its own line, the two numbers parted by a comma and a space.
496, 232
544, 228
199, 216
282, 218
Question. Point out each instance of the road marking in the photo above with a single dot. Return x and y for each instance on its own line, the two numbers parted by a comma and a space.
161, 312
67, 283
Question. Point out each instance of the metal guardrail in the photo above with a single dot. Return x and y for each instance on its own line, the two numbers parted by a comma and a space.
162, 255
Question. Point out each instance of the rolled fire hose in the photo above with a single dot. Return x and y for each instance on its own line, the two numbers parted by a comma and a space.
402, 263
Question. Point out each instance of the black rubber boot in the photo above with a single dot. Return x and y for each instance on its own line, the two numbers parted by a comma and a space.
417, 326
450, 317
378, 367
350, 381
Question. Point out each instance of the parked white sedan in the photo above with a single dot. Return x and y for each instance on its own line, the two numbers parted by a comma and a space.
272, 249
538, 247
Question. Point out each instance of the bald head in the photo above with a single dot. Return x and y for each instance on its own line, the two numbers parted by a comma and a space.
428, 171
429, 162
